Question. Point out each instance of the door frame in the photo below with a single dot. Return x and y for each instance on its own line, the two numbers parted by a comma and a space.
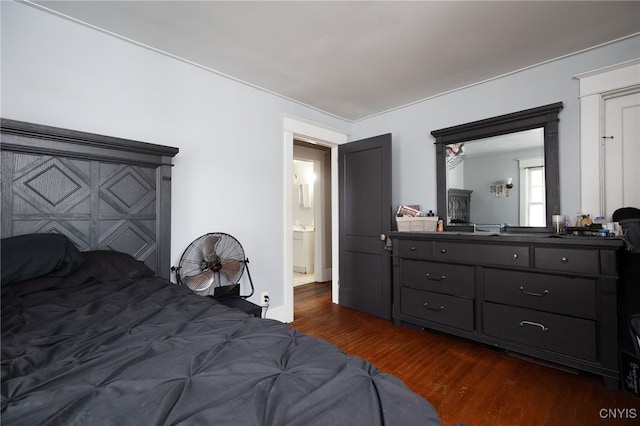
606, 169
594, 87
307, 131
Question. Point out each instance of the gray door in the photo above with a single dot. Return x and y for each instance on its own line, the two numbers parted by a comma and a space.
365, 216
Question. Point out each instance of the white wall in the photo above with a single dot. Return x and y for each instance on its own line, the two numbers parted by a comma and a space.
228, 176
413, 150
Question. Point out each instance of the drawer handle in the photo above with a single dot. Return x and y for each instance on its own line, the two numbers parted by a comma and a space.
443, 251
515, 256
535, 324
564, 259
530, 293
429, 277
413, 248
440, 309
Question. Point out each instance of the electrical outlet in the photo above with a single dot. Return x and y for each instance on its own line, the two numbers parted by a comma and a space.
264, 298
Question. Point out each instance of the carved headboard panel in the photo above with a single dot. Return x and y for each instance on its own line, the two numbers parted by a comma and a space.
102, 192
459, 205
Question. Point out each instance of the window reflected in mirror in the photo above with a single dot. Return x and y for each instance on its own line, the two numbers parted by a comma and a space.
533, 196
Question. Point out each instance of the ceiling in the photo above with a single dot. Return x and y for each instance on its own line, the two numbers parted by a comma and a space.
357, 59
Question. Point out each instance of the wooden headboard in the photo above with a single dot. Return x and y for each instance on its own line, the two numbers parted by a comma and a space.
101, 192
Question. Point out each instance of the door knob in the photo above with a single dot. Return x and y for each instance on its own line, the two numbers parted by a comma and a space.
388, 245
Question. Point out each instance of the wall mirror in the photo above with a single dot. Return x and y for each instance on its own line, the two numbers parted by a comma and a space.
303, 196
501, 173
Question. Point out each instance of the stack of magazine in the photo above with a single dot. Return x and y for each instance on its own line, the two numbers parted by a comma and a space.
412, 211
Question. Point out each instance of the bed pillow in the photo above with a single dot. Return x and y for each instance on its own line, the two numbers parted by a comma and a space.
106, 265
34, 255
100, 265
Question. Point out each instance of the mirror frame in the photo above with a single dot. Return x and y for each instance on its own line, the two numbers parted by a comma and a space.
544, 116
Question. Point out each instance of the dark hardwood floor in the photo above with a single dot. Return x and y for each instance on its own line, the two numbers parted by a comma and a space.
465, 381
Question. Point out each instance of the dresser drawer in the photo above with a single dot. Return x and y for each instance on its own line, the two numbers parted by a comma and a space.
457, 280
482, 253
441, 308
543, 330
567, 260
413, 249
552, 293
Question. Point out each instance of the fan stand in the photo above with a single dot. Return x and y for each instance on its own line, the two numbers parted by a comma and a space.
232, 298
240, 303
233, 291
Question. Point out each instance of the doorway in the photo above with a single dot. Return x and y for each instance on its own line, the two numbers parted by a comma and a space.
311, 211
304, 207
305, 131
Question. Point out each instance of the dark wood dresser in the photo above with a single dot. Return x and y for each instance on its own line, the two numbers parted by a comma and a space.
547, 297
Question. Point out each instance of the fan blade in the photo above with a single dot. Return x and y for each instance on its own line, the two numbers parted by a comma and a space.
233, 269
209, 248
200, 282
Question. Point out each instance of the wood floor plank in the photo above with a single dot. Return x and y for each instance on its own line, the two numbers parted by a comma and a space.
465, 381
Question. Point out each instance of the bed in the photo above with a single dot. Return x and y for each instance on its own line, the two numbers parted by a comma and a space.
93, 332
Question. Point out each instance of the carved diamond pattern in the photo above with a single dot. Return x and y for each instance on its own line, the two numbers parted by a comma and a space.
57, 227
127, 188
53, 184
129, 238
50, 185
98, 205
459, 208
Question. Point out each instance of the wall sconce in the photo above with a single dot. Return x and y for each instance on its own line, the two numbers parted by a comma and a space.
509, 182
501, 188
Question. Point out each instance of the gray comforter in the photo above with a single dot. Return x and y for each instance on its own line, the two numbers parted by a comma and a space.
147, 352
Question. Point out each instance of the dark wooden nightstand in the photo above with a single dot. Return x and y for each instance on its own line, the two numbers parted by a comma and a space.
240, 303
